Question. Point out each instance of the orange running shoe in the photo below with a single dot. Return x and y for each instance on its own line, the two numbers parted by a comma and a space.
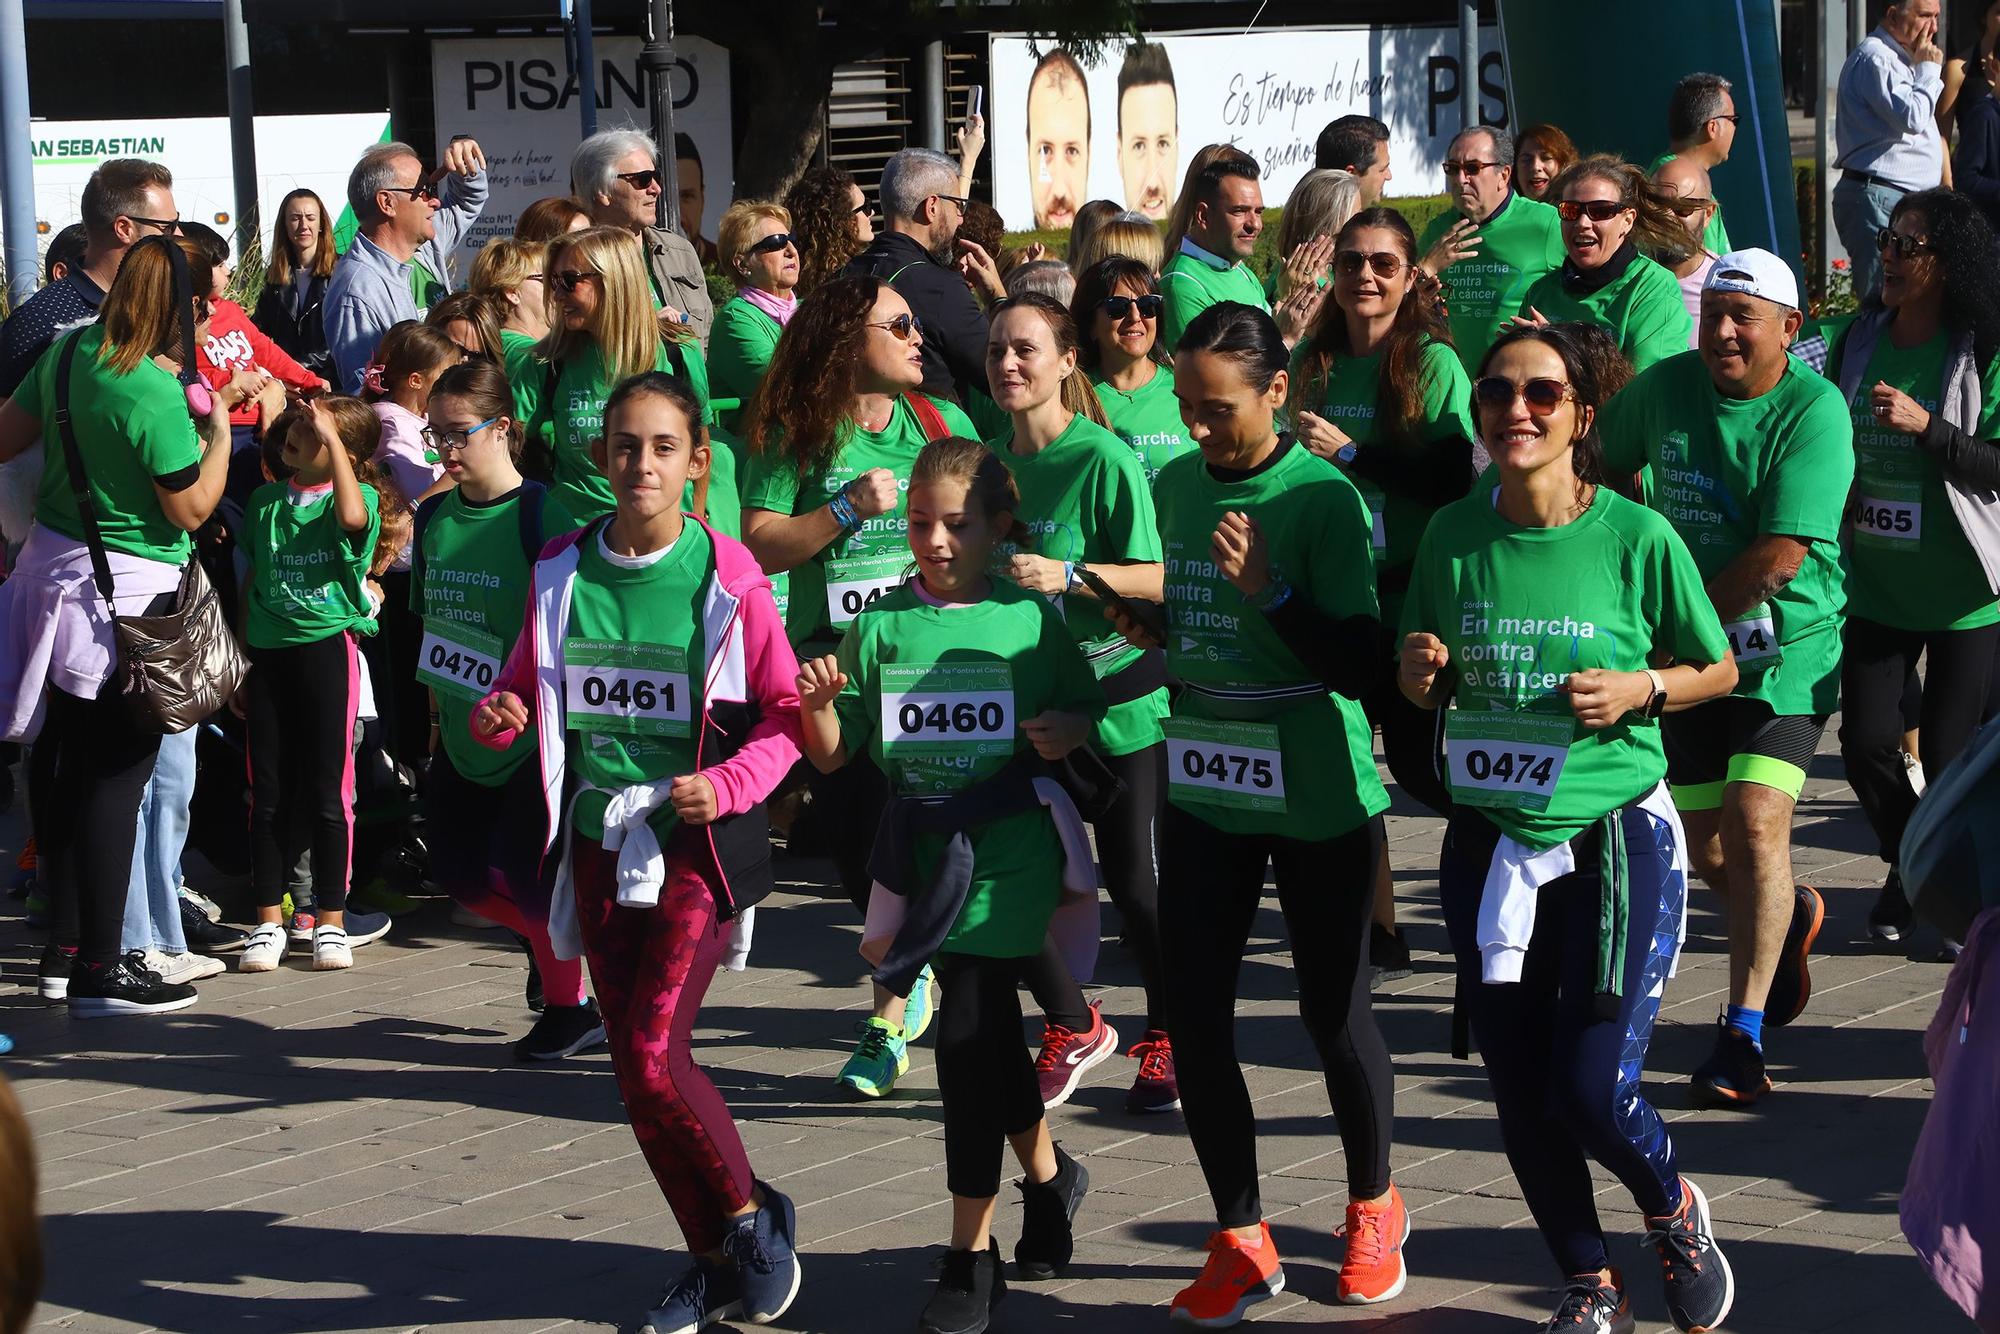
1372, 1270
1238, 1275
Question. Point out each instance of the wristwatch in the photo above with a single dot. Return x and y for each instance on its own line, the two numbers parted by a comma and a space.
1656, 704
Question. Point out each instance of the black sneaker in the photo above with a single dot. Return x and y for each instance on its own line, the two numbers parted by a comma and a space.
767, 1265
970, 1285
1592, 1306
53, 973
1891, 915
1388, 953
1047, 1212
1699, 1287
532, 993
206, 937
124, 987
1733, 1075
1791, 985
563, 1030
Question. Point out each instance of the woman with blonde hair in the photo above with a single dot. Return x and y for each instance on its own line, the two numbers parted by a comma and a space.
1131, 235
756, 251
602, 331
513, 275
1319, 206
290, 310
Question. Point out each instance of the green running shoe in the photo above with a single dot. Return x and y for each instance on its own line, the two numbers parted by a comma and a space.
919, 1009
878, 1062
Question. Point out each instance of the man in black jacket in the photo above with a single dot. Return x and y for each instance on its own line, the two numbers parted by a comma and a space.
921, 256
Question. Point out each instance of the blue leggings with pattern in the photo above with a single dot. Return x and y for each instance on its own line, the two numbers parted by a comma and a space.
1565, 1079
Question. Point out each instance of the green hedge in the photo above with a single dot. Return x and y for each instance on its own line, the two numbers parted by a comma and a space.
1419, 209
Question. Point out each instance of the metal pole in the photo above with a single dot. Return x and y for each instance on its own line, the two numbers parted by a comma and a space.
17, 156
934, 98
656, 61
242, 124
586, 67
1833, 27
1468, 64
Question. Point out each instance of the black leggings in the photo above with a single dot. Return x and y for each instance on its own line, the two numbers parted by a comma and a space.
1127, 845
87, 773
847, 808
1565, 1078
400, 699
1210, 886
985, 1079
301, 723
1958, 667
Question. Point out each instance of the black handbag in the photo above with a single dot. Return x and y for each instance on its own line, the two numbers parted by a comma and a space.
176, 668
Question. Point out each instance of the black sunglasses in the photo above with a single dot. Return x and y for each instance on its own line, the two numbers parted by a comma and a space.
1904, 246
1542, 396
1597, 210
170, 226
641, 180
863, 209
566, 281
425, 191
1385, 264
1118, 306
903, 326
775, 241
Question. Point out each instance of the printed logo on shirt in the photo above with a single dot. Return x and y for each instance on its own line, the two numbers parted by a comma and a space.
231, 351
1689, 497
1526, 660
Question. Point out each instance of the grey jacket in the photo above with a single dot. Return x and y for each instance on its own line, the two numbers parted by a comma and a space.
678, 279
1971, 466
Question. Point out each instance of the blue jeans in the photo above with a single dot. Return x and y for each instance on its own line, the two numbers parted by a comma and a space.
153, 902
1860, 211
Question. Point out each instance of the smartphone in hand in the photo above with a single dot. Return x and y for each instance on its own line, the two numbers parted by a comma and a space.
1150, 617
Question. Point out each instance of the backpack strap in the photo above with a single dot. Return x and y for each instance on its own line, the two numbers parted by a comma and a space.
529, 512
425, 513
79, 485
927, 416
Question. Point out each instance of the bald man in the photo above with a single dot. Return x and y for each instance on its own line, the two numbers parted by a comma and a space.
1686, 184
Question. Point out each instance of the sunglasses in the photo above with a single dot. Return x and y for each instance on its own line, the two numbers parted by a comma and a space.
1385, 264
168, 226
774, 242
1597, 210
1688, 206
442, 438
566, 281
905, 327
1466, 168
863, 209
641, 180
1117, 307
1904, 246
1542, 396
1732, 118
414, 191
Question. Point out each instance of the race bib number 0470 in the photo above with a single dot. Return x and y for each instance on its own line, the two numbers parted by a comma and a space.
1506, 759
460, 660
1234, 764
958, 709
637, 688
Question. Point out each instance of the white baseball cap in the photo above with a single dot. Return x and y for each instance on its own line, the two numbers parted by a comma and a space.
1755, 273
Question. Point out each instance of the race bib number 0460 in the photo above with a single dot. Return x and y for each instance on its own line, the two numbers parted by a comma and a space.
637, 688
1232, 764
460, 660
958, 709
1506, 759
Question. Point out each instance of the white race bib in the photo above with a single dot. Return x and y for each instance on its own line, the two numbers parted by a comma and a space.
958, 709
458, 659
855, 583
1506, 759
1894, 521
637, 688
1754, 639
1234, 764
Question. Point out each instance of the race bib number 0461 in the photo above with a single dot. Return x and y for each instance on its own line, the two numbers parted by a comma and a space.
1232, 764
957, 709
1506, 759
637, 688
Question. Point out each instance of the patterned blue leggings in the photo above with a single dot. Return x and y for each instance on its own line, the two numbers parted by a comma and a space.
1565, 1081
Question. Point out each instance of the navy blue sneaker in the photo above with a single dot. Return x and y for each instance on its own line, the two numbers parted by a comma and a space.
702, 1296
760, 1250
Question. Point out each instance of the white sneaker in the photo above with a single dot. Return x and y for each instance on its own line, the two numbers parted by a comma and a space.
330, 949
209, 907
364, 928
265, 951
184, 967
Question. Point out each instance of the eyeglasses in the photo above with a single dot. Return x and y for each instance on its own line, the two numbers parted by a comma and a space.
1385, 264
774, 242
566, 281
905, 327
1467, 168
959, 200
1904, 246
1597, 210
442, 438
1689, 205
168, 226
1118, 306
1542, 396
641, 180
415, 192
1733, 118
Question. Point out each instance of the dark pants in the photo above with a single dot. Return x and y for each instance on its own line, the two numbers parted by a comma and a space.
1958, 667
1412, 741
1565, 1079
1210, 885
301, 720
87, 774
847, 807
400, 699
985, 1079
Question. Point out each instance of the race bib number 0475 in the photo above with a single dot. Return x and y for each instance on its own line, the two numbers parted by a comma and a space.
1239, 765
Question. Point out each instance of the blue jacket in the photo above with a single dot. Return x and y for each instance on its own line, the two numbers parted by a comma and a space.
370, 290
1975, 168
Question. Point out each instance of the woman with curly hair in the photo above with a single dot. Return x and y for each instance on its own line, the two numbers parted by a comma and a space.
832, 221
1920, 368
833, 432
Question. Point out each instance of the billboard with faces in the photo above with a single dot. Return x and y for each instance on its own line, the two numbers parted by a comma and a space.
1062, 132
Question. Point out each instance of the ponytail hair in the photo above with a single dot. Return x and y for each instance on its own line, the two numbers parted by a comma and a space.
1241, 334
1078, 394
486, 392
988, 482
409, 348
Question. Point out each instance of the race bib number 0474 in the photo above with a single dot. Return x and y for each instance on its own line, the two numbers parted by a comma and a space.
1506, 759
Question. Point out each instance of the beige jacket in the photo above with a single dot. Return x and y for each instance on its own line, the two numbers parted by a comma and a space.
678, 280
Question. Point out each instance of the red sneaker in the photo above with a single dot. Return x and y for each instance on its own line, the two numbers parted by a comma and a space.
1238, 1275
1372, 1270
1068, 1055
1155, 1089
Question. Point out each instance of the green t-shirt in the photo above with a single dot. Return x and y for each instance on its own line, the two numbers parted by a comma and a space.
986, 418
1727, 471
725, 484
1316, 749
1520, 609
575, 416
740, 348
633, 662
1912, 567
130, 430
1085, 498
307, 573
517, 358
937, 695
472, 597
829, 589
1642, 307
1519, 245
1716, 238
1148, 420
1348, 398
1191, 285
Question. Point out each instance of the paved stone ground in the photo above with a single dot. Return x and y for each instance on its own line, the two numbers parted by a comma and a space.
356, 1152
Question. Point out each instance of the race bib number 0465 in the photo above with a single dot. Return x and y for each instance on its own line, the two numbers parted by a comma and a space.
958, 709
1506, 759
1232, 764
636, 688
